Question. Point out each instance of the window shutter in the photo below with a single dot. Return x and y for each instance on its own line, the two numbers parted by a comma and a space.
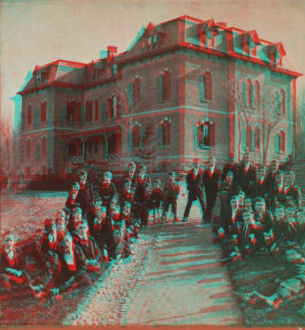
200, 136
130, 93
282, 101
243, 93
36, 117
167, 86
257, 93
114, 105
118, 107
276, 143
168, 134
78, 112
201, 88
159, 88
283, 141
109, 114
244, 139
212, 134
252, 139
96, 110
159, 130
130, 140
104, 112
137, 90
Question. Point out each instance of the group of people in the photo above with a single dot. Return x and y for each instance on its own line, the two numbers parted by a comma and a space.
259, 211
96, 225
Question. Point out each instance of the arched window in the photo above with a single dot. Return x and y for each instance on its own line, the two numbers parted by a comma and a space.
166, 86
29, 115
257, 93
130, 93
38, 151
137, 90
43, 112
112, 108
249, 138
44, 146
89, 111
256, 138
201, 88
277, 103
282, 141
28, 149
282, 101
208, 86
206, 134
250, 93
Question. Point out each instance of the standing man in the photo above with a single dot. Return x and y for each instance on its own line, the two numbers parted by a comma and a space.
195, 189
86, 194
247, 177
211, 178
229, 167
270, 178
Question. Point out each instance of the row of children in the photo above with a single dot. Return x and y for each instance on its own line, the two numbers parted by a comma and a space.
95, 226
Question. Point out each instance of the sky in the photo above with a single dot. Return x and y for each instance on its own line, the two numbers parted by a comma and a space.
39, 32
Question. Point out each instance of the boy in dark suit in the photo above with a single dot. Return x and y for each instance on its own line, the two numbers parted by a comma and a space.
210, 178
195, 189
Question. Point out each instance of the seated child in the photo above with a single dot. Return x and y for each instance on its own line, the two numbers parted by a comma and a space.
73, 267
93, 254
13, 275
126, 194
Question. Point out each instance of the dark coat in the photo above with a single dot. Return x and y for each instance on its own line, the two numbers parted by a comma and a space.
171, 191
4, 261
232, 226
194, 185
247, 180
261, 188
90, 250
211, 184
107, 193
293, 194
270, 182
156, 198
86, 193
229, 168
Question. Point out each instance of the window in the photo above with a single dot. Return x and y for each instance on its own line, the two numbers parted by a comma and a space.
44, 146
250, 93
256, 138
137, 90
249, 138
130, 92
201, 87
89, 111
205, 87
28, 149
282, 141
96, 110
166, 131
71, 111
206, 134
257, 93
29, 115
38, 151
277, 103
114, 69
112, 108
23, 119
282, 101
43, 112
164, 87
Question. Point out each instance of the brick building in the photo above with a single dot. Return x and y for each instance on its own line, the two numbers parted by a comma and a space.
186, 88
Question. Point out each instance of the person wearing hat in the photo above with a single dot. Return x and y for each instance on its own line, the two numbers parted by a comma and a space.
195, 189
261, 188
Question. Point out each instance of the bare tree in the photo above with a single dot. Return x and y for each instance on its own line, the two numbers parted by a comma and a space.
300, 128
272, 115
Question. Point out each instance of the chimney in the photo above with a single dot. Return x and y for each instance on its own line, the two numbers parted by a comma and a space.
111, 50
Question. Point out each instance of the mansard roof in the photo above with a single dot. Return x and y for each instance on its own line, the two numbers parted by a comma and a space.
156, 39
